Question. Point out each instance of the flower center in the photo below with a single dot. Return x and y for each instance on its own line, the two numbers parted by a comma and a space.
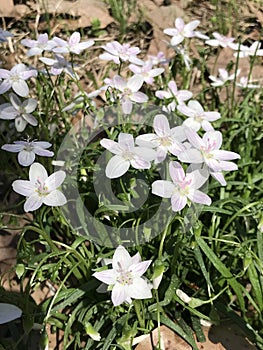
41, 188
127, 155
15, 78
126, 92
28, 148
166, 141
125, 278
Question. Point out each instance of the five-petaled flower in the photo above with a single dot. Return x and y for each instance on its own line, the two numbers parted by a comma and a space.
146, 71
184, 188
125, 277
207, 150
15, 79
197, 116
72, 45
220, 40
58, 65
20, 111
164, 140
27, 150
126, 155
223, 77
181, 31
180, 95
128, 91
41, 188
118, 53
245, 51
36, 47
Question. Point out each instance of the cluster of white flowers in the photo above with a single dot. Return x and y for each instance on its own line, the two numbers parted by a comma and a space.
181, 142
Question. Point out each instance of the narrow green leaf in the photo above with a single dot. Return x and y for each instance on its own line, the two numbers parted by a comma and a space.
225, 272
256, 287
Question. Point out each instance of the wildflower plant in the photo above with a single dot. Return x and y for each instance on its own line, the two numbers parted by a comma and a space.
153, 191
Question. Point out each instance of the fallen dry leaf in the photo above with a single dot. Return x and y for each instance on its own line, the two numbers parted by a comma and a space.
6, 8
83, 11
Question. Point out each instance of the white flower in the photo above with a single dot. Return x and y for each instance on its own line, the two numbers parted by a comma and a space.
4, 34
180, 95
246, 84
181, 31
220, 40
197, 116
245, 51
125, 277
41, 188
38, 46
20, 111
128, 91
146, 71
183, 188
27, 150
126, 155
72, 45
207, 150
15, 79
120, 53
164, 140
223, 77
58, 65
9, 312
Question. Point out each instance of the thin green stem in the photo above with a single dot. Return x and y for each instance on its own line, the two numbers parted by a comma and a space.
138, 309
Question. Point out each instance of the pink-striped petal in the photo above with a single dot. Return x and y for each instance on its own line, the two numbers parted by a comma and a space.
178, 201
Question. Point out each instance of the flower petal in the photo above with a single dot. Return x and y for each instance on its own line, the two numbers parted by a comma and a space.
140, 163
138, 269
33, 202
26, 158
135, 82
176, 172
161, 125
21, 88
191, 155
116, 167
140, 289
163, 188
106, 276
54, 199
197, 196
225, 155
119, 294
23, 187
139, 97
126, 141
55, 180
37, 171
121, 258
12, 148
126, 106
20, 123
111, 146
178, 201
